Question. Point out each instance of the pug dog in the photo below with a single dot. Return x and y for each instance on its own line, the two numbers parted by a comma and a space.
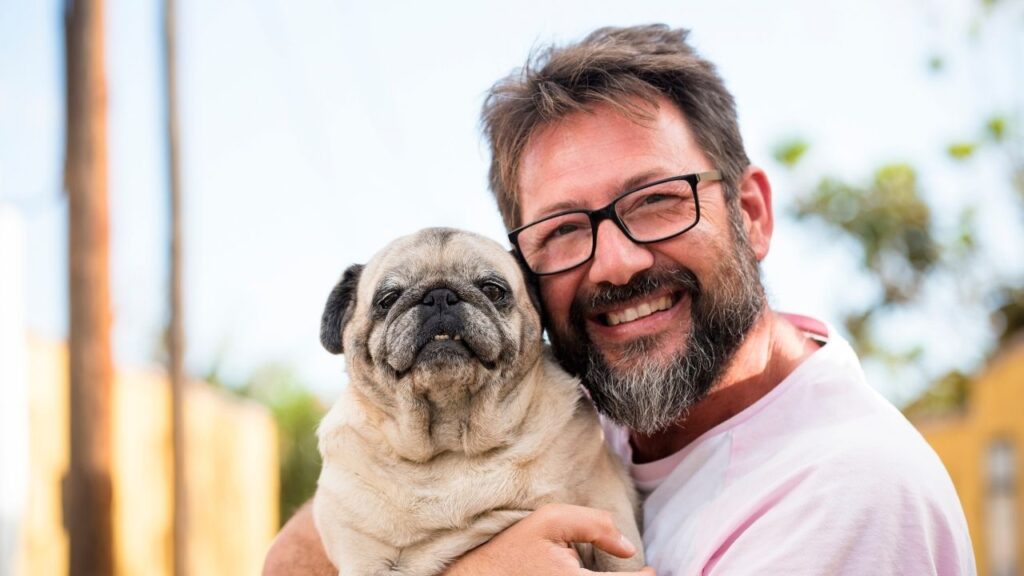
456, 422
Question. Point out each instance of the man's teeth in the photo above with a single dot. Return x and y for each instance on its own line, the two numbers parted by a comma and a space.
639, 311
446, 337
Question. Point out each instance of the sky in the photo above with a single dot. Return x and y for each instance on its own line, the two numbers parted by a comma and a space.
314, 132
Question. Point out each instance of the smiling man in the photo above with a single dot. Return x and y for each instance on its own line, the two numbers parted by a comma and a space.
759, 448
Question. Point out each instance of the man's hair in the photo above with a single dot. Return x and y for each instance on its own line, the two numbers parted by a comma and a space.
626, 68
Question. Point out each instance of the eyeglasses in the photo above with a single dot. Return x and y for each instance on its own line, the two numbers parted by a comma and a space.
650, 213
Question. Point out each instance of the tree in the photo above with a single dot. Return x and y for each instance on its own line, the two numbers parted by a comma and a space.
87, 489
176, 327
890, 218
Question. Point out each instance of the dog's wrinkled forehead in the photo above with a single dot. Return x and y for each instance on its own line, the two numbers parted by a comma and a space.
436, 254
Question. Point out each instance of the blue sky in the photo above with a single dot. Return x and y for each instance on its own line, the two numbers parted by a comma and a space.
314, 132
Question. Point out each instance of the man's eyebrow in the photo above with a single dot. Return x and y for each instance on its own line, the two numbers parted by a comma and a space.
630, 183
558, 207
641, 179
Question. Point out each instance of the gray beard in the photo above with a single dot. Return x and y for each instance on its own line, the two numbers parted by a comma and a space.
649, 395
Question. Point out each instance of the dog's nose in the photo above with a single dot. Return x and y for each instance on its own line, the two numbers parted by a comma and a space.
440, 298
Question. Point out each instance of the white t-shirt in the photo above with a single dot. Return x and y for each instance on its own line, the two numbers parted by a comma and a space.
820, 476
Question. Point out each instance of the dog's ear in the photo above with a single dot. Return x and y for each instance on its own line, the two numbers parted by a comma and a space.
532, 284
338, 311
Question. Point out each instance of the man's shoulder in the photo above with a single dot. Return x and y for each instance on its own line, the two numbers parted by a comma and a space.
828, 425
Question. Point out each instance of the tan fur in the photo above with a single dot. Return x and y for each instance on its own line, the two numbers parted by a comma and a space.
423, 462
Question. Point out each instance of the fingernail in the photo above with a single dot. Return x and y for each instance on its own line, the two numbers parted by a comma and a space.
627, 544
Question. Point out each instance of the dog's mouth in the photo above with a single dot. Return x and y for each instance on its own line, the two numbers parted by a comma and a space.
445, 337
447, 345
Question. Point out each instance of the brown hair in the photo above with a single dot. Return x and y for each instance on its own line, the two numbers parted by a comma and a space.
618, 67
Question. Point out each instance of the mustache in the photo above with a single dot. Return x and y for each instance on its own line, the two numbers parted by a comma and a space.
677, 278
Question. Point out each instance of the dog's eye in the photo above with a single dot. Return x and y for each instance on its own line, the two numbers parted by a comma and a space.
387, 300
493, 291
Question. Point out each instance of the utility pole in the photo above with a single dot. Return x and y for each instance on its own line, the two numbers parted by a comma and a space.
87, 489
176, 330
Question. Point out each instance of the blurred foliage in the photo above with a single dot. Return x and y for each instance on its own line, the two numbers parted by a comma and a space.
947, 394
889, 217
961, 150
789, 152
1008, 315
997, 127
297, 413
891, 222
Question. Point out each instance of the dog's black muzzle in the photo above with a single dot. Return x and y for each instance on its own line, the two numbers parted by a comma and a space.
441, 322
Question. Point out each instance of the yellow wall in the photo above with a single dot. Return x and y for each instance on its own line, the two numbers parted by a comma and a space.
231, 475
996, 411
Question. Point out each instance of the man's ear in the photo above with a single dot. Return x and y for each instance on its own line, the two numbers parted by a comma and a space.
756, 204
338, 310
532, 285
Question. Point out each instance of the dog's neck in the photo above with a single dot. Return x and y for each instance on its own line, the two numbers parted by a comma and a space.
451, 417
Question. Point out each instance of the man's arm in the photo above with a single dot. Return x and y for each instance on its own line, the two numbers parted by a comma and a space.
537, 544
297, 550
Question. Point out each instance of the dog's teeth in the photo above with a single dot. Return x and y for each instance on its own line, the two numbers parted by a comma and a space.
457, 337
441, 337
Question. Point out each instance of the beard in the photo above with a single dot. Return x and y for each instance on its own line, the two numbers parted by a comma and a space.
649, 394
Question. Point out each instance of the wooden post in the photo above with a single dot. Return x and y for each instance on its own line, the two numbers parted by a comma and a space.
176, 330
87, 489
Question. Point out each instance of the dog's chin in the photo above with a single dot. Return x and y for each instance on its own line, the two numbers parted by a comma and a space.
442, 355
447, 361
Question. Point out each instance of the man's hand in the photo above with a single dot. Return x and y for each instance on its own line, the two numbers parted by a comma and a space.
298, 550
541, 544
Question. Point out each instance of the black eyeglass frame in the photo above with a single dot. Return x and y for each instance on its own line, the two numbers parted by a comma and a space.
608, 213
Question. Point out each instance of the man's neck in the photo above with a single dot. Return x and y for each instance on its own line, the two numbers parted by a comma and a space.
772, 349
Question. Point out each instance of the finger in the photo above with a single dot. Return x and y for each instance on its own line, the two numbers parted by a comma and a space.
567, 523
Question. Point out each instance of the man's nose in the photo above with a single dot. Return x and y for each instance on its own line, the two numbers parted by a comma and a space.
617, 258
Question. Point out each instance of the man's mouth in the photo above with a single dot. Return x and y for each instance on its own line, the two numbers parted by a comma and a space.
639, 309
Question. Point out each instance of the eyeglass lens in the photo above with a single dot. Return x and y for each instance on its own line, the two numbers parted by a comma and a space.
649, 214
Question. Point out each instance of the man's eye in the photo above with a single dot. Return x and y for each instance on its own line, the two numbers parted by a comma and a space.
655, 198
387, 301
562, 230
565, 229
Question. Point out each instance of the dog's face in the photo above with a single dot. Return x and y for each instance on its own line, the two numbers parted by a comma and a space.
438, 309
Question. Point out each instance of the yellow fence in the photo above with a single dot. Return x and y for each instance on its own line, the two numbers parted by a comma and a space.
232, 475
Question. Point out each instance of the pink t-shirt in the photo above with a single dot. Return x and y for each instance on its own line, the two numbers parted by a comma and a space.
820, 476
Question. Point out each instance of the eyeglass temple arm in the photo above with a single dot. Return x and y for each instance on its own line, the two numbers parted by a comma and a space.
710, 176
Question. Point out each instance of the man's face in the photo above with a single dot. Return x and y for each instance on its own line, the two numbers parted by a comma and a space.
649, 327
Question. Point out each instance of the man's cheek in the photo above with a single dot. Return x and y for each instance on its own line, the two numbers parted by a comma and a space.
557, 295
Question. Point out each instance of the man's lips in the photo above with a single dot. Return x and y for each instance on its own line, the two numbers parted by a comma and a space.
635, 310
638, 310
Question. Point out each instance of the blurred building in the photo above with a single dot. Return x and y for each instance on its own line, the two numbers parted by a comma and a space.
231, 467
231, 457
14, 385
981, 445
232, 461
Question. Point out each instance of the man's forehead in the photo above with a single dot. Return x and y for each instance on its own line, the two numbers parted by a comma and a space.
588, 158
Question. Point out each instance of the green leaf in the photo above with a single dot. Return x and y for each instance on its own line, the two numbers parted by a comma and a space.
996, 127
961, 150
789, 152
936, 63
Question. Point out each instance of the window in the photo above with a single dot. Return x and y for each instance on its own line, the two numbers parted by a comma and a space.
1000, 509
